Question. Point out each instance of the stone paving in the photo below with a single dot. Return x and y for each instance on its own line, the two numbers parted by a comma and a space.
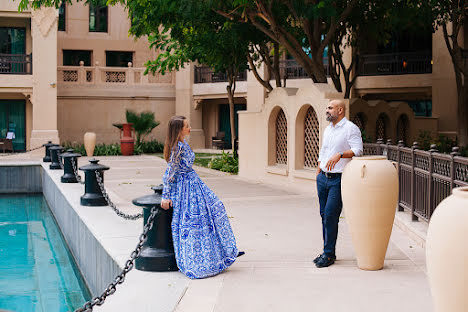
280, 231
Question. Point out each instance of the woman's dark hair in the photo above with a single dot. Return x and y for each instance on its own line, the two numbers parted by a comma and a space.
175, 126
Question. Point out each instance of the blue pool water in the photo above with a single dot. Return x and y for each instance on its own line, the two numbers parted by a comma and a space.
37, 271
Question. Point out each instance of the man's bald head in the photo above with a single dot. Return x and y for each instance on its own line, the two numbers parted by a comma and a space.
336, 110
339, 104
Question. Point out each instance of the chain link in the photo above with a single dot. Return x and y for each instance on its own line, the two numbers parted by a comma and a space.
111, 204
60, 159
26, 151
119, 279
75, 171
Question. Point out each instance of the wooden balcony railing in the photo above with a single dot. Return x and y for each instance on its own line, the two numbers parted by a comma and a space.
204, 74
395, 64
16, 64
425, 177
92, 75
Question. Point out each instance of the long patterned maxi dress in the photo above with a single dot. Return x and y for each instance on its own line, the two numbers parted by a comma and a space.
204, 243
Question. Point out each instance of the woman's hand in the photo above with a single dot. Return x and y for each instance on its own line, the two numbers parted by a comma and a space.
166, 203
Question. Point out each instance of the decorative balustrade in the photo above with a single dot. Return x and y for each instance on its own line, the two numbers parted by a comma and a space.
426, 177
395, 63
16, 64
109, 75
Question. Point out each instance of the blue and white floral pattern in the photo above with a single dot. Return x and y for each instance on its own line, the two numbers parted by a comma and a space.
204, 243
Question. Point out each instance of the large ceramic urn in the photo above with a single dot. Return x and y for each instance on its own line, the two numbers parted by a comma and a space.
369, 188
447, 253
89, 143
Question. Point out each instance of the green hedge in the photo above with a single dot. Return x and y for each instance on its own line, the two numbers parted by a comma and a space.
113, 149
225, 163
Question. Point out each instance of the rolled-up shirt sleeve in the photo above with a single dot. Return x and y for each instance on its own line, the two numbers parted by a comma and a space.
355, 141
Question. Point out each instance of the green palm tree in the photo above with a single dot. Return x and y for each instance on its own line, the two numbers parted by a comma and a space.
143, 123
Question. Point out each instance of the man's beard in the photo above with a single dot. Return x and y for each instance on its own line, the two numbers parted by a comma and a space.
331, 117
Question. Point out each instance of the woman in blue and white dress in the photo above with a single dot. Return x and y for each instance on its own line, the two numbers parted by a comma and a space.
204, 243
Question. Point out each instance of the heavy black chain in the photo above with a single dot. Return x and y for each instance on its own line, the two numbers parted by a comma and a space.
75, 170
119, 279
111, 204
26, 151
60, 159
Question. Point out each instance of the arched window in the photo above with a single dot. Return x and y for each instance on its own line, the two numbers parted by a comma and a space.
281, 139
311, 139
381, 127
360, 121
402, 129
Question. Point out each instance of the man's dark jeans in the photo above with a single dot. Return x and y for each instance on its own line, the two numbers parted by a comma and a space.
329, 193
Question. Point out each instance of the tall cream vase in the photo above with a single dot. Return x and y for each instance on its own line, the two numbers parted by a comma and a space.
447, 253
369, 188
89, 143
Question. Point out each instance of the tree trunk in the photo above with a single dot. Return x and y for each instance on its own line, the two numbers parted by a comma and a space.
462, 113
276, 69
230, 91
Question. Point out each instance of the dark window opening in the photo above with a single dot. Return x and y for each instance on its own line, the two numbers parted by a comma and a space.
61, 20
97, 18
118, 58
73, 57
421, 108
12, 40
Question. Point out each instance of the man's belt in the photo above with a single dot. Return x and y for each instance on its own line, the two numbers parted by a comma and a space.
331, 175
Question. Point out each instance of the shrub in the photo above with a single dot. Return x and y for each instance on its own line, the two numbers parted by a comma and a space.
149, 147
143, 123
101, 149
444, 144
225, 163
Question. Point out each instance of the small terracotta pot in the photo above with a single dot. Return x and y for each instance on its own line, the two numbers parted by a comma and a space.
447, 253
370, 195
89, 143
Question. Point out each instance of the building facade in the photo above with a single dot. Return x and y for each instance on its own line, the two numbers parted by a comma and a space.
67, 71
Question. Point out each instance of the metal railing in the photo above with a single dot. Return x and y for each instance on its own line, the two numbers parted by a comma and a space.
395, 63
425, 177
291, 69
204, 74
16, 64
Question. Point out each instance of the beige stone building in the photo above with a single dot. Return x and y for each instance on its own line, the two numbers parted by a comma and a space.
68, 71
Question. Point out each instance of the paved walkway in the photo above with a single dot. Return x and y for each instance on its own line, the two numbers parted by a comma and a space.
280, 231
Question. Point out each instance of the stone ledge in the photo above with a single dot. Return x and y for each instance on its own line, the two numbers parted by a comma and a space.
279, 170
416, 230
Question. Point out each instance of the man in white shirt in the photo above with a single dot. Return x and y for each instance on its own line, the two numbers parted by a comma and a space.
341, 141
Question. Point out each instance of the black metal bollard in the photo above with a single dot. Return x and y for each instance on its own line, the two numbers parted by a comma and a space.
93, 195
47, 152
157, 254
54, 155
68, 170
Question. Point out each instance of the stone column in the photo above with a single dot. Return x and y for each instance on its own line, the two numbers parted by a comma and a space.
256, 93
44, 97
186, 106
444, 86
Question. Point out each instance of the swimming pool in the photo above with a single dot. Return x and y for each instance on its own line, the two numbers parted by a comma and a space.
37, 271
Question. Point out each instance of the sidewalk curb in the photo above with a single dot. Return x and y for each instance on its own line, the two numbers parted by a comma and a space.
416, 230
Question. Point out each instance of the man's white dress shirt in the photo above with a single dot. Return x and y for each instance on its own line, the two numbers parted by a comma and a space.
342, 137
